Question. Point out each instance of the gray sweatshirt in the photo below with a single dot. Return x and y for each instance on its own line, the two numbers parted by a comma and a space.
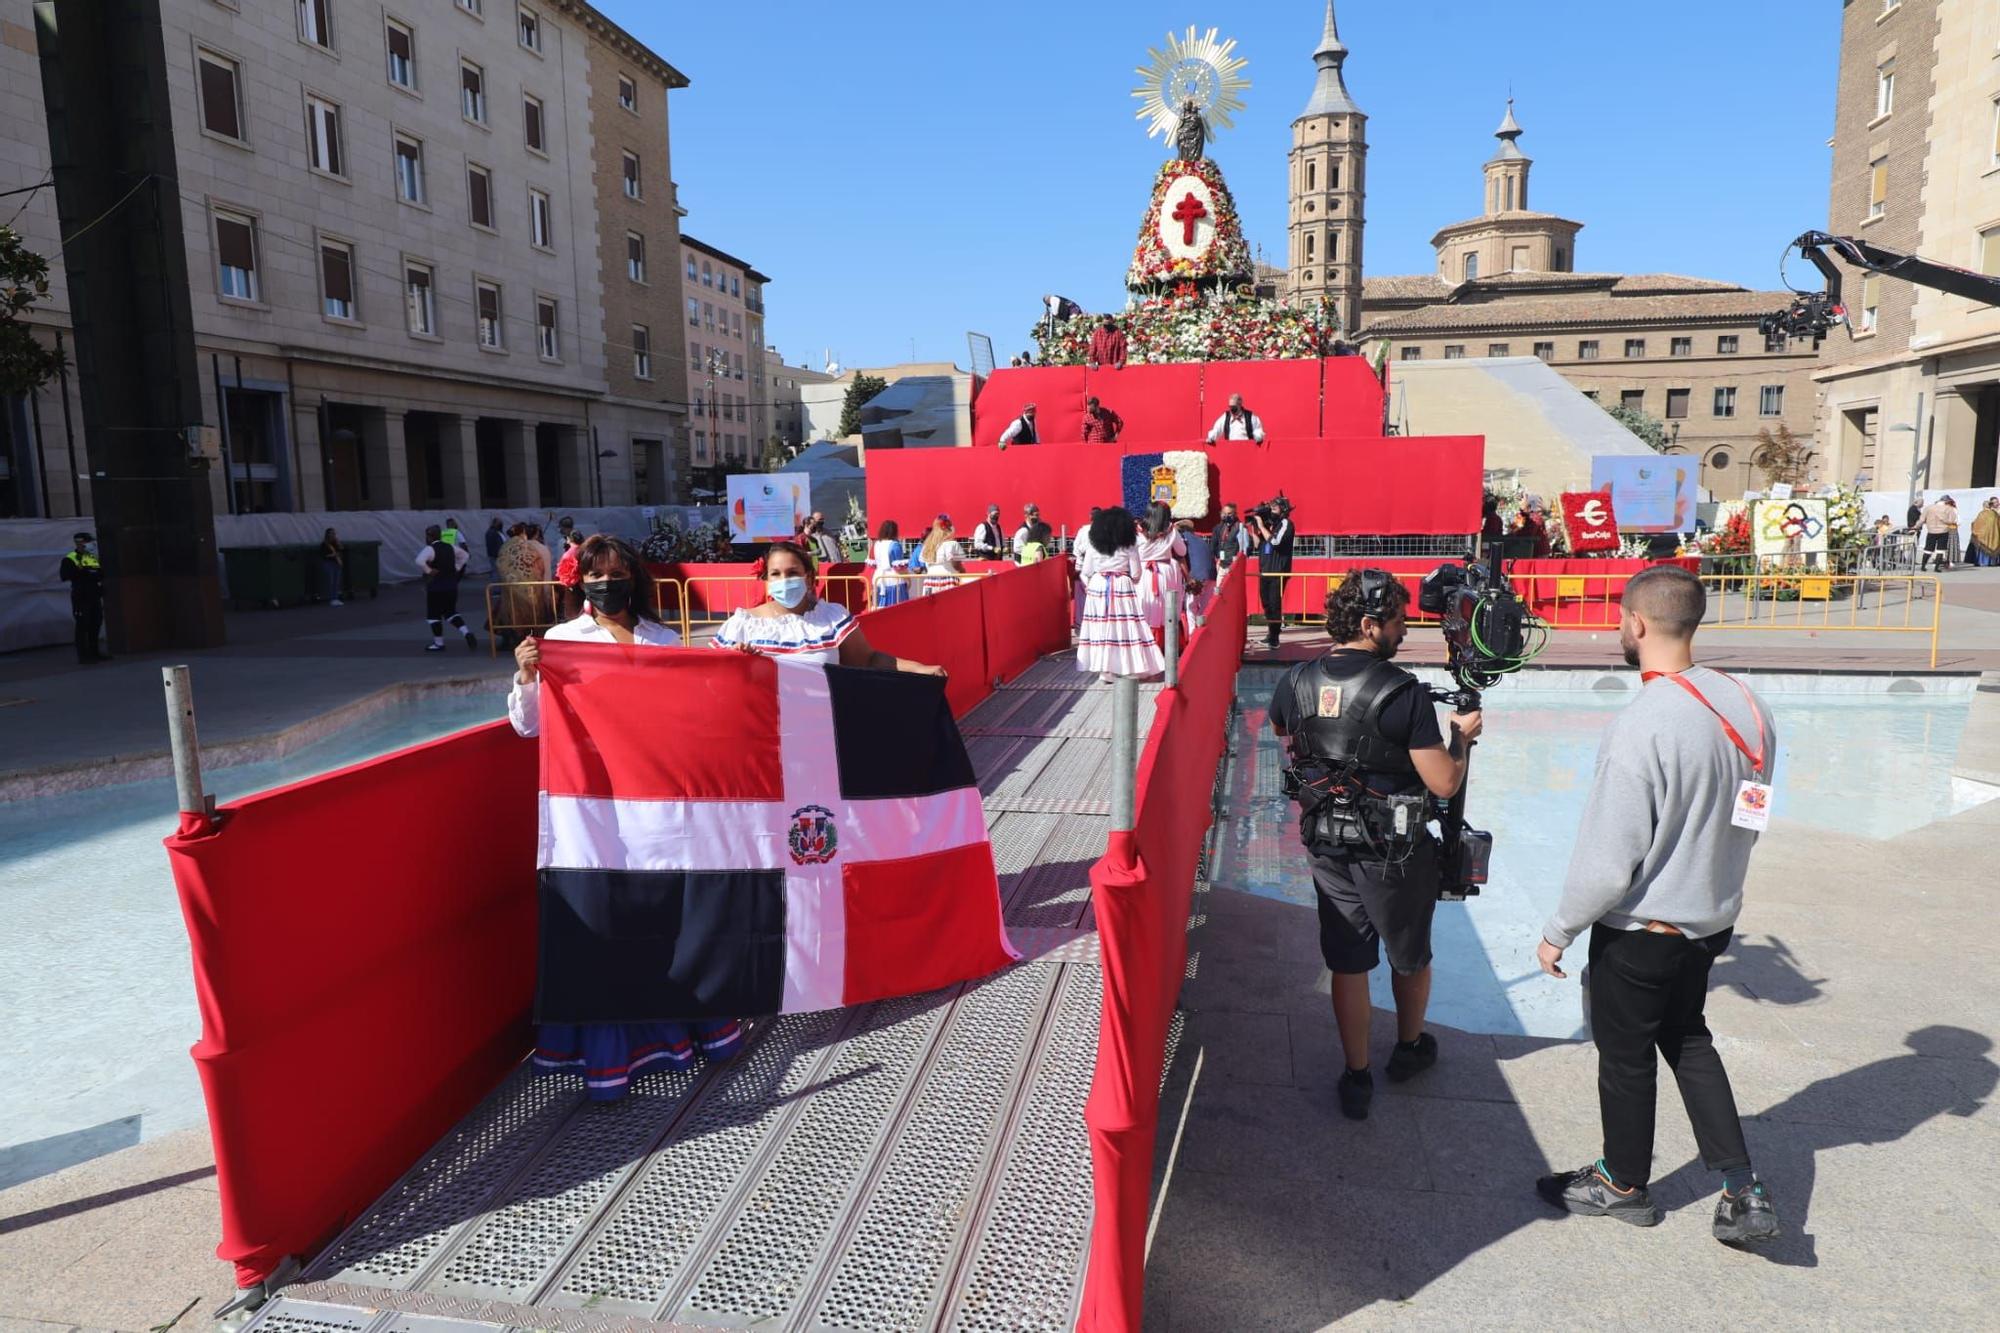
1656, 842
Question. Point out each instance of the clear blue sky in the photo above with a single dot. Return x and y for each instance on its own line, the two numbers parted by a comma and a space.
911, 171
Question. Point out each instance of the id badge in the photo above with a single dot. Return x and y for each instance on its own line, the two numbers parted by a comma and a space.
1329, 701
1753, 806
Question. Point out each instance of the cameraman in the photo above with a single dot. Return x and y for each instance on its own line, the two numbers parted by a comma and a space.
1270, 529
1366, 749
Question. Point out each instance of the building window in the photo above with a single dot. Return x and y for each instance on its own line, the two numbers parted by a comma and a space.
735, 286
708, 316
420, 297
631, 175
1497, 349
472, 92
1635, 347
409, 169
221, 99
476, 8
707, 274
1993, 156
1591, 394
1878, 187
628, 94
642, 352
236, 256
323, 136
1586, 350
1312, 255
402, 55
487, 302
1411, 354
1681, 347
1771, 400
315, 24
1871, 295
1719, 459
1776, 341
1989, 251
541, 221
545, 328
1518, 263
692, 275
694, 313
336, 279
694, 356
1677, 404
1725, 344
1885, 88
1562, 260
1633, 400
1725, 402
736, 326
1454, 351
532, 126
1546, 351
635, 256
739, 375
1471, 266
530, 27
479, 194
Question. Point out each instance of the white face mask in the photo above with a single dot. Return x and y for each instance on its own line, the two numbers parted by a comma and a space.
786, 591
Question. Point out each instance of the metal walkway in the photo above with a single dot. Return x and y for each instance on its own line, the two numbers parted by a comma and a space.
912, 1164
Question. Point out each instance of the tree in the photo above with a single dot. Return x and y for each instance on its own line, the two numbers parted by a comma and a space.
1645, 425
864, 388
25, 364
1783, 457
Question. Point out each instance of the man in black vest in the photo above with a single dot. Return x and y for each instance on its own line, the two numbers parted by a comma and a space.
85, 577
1021, 430
1271, 540
1366, 757
443, 563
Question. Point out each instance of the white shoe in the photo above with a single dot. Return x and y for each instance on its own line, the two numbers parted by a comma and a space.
336, 602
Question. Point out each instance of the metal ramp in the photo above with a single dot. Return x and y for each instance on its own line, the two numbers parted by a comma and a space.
912, 1164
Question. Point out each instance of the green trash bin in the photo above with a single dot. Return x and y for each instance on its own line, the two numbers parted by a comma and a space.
265, 575
363, 567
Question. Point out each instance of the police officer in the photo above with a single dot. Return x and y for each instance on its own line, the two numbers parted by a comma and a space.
85, 578
1366, 757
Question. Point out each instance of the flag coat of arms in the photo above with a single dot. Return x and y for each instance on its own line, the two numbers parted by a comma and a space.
725, 835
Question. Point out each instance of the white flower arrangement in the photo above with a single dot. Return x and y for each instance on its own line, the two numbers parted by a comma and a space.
1190, 482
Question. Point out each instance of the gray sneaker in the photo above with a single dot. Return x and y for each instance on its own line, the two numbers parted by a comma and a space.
1586, 1191
1747, 1218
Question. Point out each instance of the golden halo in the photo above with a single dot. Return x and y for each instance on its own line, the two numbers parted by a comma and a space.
1202, 68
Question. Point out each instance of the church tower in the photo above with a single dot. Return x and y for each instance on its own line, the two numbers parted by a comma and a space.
1507, 172
1328, 183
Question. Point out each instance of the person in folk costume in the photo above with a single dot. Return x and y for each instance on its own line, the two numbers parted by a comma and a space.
794, 623
890, 562
1163, 564
944, 558
1115, 639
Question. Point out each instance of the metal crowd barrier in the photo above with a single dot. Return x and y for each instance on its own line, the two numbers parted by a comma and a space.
535, 607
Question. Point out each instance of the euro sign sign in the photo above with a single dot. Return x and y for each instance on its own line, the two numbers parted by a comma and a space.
1589, 521
1593, 514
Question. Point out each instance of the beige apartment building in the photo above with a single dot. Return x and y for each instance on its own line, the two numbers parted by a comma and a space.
1911, 397
790, 425
723, 299
395, 235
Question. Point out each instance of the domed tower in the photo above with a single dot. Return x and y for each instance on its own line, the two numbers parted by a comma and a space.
1329, 160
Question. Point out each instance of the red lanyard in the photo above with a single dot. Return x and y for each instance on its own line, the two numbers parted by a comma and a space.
1756, 757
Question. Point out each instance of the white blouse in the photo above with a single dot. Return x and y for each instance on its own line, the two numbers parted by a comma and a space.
1124, 562
524, 701
814, 636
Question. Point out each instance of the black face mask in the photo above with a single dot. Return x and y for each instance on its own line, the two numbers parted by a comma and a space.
609, 597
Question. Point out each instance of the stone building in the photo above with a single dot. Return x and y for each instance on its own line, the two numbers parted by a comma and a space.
790, 424
1911, 392
1328, 189
396, 246
723, 297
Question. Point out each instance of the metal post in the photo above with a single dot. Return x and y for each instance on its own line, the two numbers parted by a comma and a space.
1173, 627
187, 750
1124, 753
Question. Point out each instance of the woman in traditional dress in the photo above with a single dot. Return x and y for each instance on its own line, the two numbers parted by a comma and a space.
615, 610
1163, 562
889, 562
520, 565
1115, 639
795, 623
944, 557
1986, 534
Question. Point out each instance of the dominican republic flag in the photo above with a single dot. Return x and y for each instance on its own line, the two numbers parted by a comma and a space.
726, 836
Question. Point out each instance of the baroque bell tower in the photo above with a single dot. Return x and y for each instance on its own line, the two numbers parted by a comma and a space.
1328, 166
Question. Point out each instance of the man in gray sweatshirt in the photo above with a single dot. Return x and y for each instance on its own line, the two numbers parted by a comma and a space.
1681, 788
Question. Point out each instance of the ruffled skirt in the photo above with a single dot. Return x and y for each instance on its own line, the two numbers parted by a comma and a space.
1115, 638
611, 1055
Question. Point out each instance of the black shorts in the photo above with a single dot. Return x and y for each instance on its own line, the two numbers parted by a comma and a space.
440, 603
1365, 906
1937, 541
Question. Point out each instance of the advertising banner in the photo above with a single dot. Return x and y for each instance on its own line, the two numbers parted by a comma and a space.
768, 507
1654, 493
1590, 521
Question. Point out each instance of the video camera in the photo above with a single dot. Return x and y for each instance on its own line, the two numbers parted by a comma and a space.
1273, 511
1811, 315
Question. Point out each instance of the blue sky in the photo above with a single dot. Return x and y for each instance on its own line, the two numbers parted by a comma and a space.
908, 171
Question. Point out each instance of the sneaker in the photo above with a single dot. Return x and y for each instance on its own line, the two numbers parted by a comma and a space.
336, 602
1357, 1089
1586, 1191
471, 642
1411, 1058
1747, 1218
433, 647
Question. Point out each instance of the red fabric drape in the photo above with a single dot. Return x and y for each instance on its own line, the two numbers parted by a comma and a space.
364, 957
1352, 397
1162, 405
1596, 602
1140, 891
1027, 615
1056, 392
1157, 402
1283, 394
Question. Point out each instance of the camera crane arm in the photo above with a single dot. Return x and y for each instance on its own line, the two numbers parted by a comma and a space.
1816, 312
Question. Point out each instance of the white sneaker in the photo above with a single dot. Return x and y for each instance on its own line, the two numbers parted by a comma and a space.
336, 602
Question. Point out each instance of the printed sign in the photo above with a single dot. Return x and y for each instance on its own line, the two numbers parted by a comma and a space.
768, 507
1590, 521
1651, 494
1788, 527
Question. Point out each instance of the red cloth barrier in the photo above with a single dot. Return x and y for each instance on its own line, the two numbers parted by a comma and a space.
1352, 398
1415, 485
1595, 602
946, 629
1157, 402
1056, 392
1027, 615
1140, 891
1283, 394
364, 958
1306, 595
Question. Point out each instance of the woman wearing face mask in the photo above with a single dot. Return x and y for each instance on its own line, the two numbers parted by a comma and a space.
944, 558
618, 608
794, 623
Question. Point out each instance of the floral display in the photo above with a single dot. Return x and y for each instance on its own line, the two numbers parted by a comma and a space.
1194, 326
1190, 482
1846, 518
1227, 259
1135, 476
674, 541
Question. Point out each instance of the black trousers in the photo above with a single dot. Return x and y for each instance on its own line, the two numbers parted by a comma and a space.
1647, 992
1272, 591
89, 618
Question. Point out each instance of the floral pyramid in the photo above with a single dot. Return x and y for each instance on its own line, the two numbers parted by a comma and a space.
1191, 199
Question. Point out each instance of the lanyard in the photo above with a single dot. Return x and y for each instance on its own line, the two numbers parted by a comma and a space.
1756, 757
